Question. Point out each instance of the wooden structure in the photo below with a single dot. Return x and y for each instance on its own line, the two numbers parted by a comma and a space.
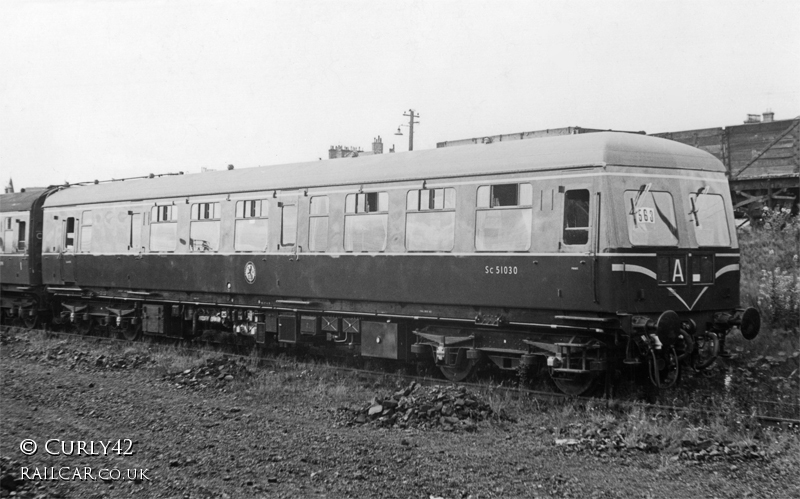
762, 159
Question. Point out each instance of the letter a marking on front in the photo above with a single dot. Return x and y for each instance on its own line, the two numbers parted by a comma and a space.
677, 272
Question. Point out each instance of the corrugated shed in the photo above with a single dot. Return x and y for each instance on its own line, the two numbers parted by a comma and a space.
553, 153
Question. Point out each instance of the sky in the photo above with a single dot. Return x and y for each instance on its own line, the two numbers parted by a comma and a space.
114, 89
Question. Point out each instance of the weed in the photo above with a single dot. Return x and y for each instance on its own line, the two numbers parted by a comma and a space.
770, 268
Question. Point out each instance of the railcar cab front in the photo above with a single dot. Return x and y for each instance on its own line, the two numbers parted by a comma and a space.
673, 272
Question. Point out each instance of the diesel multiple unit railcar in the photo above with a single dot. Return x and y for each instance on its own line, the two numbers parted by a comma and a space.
582, 254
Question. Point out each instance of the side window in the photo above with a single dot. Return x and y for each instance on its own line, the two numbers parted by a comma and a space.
204, 227
288, 224
163, 228
576, 217
69, 234
504, 217
366, 221
430, 219
366, 202
86, 232
8, 236
318, 223
22, 233
251, 230
495, 196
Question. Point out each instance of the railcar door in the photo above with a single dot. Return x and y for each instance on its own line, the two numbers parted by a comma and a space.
135, 233
578, 245
288, 212
68, 260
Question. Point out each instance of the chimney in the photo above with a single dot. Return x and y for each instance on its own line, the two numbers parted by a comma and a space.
753, 118
377, 146
332, 153
769, 116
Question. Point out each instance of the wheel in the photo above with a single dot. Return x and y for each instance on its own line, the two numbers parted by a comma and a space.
573, 384
461, 368
8, 316
684, 345
671, 373
459, 372
84, 328
31, 321
130, 332
706, 347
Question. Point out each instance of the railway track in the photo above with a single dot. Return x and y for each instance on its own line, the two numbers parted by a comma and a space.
234, 351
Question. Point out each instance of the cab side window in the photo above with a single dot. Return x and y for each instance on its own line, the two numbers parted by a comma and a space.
576, 217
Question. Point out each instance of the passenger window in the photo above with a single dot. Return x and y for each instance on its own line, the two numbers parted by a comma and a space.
500, 195
431, 219
366, 221
163, 228
318, 223
504, 217
251, 229
366, 202
86, 232
204, 228
576, 217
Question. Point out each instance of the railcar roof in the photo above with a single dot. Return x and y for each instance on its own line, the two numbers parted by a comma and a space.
19, 201
551, 153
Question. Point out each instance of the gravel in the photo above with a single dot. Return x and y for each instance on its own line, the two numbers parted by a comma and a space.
218, 427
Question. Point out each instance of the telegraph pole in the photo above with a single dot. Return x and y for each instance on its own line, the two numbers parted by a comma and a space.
411, 115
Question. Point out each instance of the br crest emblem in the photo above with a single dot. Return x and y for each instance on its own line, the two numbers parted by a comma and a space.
250, 272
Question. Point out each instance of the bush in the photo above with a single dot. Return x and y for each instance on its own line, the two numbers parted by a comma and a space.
770, 268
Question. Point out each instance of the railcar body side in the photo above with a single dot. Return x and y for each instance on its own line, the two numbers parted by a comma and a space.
20, 257
567, 250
